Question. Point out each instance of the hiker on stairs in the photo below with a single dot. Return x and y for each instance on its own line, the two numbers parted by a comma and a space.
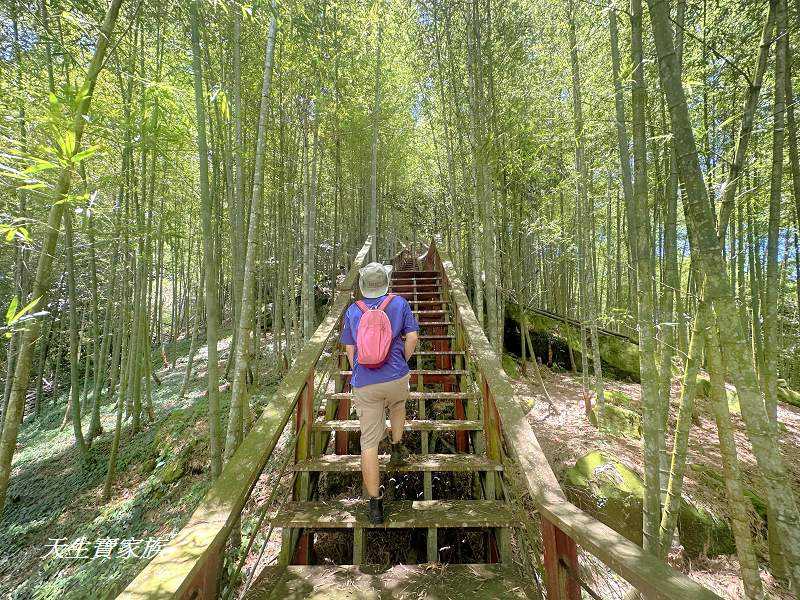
372, 335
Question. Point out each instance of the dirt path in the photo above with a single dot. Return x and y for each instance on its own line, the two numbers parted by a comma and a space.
565, 435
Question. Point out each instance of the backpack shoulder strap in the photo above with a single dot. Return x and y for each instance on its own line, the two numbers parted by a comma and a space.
386, 301
362, 306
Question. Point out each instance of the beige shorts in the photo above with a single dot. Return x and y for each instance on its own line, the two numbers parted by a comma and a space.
371, 402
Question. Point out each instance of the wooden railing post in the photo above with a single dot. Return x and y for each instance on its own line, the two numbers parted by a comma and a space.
303, 451
560, 550
342, 442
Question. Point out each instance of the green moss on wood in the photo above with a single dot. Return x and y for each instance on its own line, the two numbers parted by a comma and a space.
510, 366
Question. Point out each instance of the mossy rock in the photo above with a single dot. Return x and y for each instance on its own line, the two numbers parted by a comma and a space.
609, 491
711, 477
702, 533
618, 398
788, 395
510, 366
618, 353
172, 471
618, 421
171, 427
703, 389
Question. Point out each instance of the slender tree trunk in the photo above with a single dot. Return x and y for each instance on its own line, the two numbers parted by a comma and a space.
239, 393
672, 503
622, 142
771, 333
209, 254
639, 229
373, 181
309, 240
587, 278
41, 284
746, 127
74, 335
740, 506
704, 238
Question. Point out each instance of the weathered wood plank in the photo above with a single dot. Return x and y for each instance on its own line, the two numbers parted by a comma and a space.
401, 582
423, 372
654, 578
415, 425
170, 573
417, 395
415, 463
415, 274
349, 513
428, 353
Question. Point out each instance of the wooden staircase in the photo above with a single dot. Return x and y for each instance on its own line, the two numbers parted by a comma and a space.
467, 424
445, 403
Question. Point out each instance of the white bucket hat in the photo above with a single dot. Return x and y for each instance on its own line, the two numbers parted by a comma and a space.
374, 280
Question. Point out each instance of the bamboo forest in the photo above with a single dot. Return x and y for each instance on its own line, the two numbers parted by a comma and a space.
583, 217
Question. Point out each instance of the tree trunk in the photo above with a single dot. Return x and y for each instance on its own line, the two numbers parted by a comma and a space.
74, 336
705, 240
622, 141
373, 180
209, 254
239, 393
583, 224
639, 229
41, 284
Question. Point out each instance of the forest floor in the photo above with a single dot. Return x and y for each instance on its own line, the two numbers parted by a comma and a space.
566, 435
54, 495
162, 476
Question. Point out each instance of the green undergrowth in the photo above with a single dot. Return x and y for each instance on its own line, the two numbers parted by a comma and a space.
162, 474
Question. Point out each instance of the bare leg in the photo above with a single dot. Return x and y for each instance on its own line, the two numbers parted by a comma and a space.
369, 471
397, 418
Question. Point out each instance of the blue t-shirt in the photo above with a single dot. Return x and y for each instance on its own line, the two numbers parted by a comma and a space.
403, 321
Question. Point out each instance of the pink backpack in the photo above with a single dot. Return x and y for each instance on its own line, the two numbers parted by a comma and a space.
374, 335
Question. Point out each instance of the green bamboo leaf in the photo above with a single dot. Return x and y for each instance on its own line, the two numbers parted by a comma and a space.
12, 308
24, 310
39, 165
84, 154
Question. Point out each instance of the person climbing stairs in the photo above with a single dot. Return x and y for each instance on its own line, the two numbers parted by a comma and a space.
443, 404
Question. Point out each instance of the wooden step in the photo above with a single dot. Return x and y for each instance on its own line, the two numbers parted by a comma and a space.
434, 323
350, 513
383, 582
415, 425
417, 286
351, 463
423, 372
404, 274
437, 337
416, 280
427, 353
421, 313
410, 295
415, 396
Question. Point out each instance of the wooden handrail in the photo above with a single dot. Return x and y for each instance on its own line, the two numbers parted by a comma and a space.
646, 572
174, 572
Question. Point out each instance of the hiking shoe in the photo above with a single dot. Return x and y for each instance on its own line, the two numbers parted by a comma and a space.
376, 510
400, 454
